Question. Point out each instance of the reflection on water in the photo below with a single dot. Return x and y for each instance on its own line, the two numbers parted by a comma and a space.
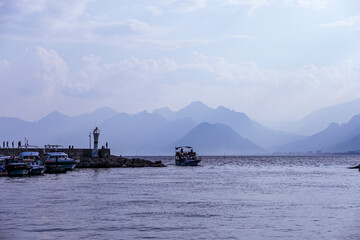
224, 198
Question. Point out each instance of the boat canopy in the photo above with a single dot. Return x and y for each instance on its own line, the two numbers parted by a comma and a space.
28, 154
176, 148
56, 154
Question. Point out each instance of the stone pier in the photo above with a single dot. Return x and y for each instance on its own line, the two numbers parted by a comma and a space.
72, 153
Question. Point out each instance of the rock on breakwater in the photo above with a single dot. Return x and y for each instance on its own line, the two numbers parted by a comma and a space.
115, 161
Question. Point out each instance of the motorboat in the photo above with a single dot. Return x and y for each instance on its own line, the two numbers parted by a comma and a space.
32, 159
16, 167
185, 156
59, 159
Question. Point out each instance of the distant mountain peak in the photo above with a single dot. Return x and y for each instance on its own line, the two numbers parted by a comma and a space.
105, 109
162, 109
216, 139
197, 104
196, 107
55, 115
142, 113
333, 125
222, 108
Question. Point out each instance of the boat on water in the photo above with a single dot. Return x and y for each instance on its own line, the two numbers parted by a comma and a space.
3, 165
59, 159
16, 167
185, 156
32, 159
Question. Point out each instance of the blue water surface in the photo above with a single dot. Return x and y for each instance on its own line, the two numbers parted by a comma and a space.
224, 198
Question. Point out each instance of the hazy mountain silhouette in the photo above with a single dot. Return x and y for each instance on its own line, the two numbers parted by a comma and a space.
334, 138
55, 128
240, 122
214, 131
14, 129
217, 139
320, 119
351, 145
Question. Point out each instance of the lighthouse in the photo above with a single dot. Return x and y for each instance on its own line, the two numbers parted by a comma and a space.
96, 134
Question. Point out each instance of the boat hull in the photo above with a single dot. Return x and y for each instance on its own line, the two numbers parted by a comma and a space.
55, 169
187, 163
66, 165
37, 171
19, 172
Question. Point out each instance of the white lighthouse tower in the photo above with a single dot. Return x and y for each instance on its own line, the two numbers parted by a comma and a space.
96, 134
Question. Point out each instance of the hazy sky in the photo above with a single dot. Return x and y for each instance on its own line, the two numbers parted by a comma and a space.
272, 59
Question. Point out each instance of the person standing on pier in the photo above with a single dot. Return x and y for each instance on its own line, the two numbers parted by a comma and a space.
106, 144
12, 144
3, 144
7, 144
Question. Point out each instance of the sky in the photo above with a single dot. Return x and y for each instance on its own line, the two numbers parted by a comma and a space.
271, 59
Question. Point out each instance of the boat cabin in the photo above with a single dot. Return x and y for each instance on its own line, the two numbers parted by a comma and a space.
185, 152
55, 156
29, 156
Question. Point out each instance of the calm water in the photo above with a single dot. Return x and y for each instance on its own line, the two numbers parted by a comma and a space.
231, 198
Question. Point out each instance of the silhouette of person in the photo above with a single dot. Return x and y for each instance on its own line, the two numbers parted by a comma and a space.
12, 144
106, 144
7, 144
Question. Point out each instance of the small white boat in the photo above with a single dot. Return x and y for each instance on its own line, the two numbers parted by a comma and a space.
59, 159
32, 159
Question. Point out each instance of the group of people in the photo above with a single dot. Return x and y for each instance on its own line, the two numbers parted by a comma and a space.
6, 144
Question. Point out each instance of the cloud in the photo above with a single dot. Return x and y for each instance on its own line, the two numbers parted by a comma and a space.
212, 78
127, 27
252, 4
155, 10
65, 10
189, 5
243, 85
4, 64
65, 21
44, 72
240, 36
255, 4
41, 74
317, 4
353, 22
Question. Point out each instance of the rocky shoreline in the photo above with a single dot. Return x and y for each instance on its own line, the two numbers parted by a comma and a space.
116, 162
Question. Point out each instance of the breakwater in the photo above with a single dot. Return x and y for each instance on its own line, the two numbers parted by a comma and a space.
71, 152
105, 159
116, 162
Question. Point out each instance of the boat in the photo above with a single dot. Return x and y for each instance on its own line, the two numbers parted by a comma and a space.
3, 165
32, 159
56, 169
185, 156
59, 159
16, 167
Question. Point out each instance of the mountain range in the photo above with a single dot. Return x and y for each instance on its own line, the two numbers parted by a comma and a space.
211, 131
320, 119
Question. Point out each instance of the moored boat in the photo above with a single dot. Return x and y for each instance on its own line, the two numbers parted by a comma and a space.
185, 156
16, 167
56, 169
32, 159
59, 159
2, 166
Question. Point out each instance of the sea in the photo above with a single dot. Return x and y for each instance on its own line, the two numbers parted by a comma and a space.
274, 197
